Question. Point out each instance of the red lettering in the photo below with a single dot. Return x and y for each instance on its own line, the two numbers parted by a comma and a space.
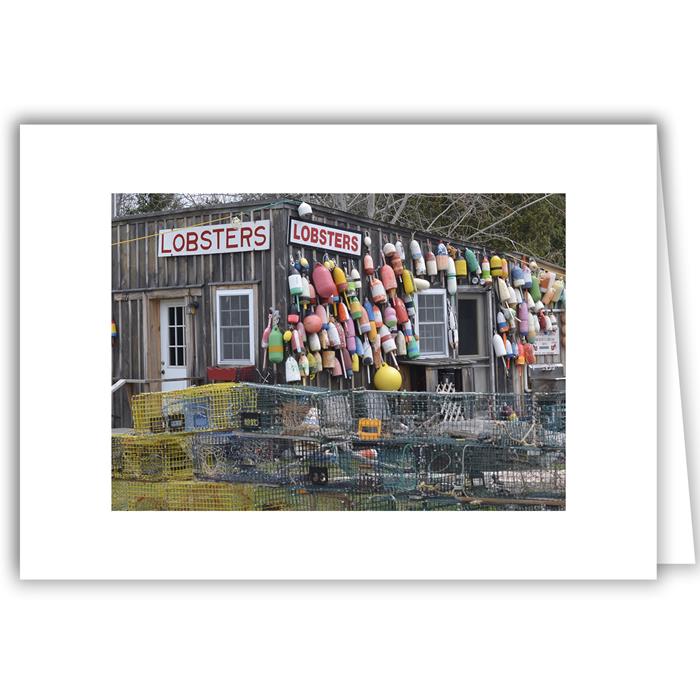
305, 233
191, 241
260, 238
323, 237
313, 237
246, 235
354, 244
346, 241
231, 238
178, 237
162, 244
206, 240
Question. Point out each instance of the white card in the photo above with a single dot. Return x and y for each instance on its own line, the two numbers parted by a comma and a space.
609, 528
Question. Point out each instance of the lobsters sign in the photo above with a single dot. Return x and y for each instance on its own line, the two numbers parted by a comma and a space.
221, 238
305, 233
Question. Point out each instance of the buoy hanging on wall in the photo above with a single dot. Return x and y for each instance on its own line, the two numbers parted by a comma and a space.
275, 347
323, 282
498, 345
451, 277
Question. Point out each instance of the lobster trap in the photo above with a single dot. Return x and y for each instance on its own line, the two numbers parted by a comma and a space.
496, 419
151, 457
303, 411
198, 408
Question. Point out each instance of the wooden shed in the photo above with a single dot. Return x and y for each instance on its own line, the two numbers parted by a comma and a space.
185, 314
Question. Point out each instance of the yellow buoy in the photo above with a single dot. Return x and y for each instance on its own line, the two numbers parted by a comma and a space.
387, 378
496, 266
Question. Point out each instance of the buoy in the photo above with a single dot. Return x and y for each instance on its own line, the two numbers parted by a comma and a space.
323, 338
415, 249
314, 342
529, 351
376, 289
518, 296
517, 276
529, 301
412, 347
407, 281
532, 327
451, 277
496, 266
485, 271
287, 336
291, 370
296, 341
472, 262
420, 284
387, 340
342, 314
527, 277
542, 321
340, 279
376, 312
498, 345
400, 344
346, 363
294, 279
355, 363
305, 291
364, 321
441, 257
407, 329
368, 242
389, 249
328, 359
304, 368
311, 360
389, 317
396, 265
401, 311
323, 282
355, 274
350, 337
430, 264
509, 349
312, 294
333, 336
537, 307
533, 265
368, 264
367, 355
513, 295
504, 268
265, 342
388, 278
355, 307
548, 323
520, 359
387, 378
399, 250
275, 347
321, 313
303, 264
337, 370
410, 308
557, 289
293, 314
502, 290
460, 265
523, 318
535, 291
501, 323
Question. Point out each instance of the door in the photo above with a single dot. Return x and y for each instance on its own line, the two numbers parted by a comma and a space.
173, 347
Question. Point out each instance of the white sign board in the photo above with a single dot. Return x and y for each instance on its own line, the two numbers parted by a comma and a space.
547, 343
219, 238
306, 233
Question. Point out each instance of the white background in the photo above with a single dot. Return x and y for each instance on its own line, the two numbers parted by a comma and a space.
623, 61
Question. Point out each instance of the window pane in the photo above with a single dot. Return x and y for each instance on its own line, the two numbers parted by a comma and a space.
171, 315
468, 327
234, 327
180, 335
181, 356
172, 358
171, 335
431, 323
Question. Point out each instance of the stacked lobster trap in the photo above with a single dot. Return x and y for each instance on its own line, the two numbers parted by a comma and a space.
260, 447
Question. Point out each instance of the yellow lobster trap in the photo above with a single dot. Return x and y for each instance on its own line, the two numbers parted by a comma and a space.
151, 457
207, 407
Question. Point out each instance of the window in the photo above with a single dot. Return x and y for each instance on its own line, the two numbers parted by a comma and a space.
470, 313
235, 326
431, 322
176, 336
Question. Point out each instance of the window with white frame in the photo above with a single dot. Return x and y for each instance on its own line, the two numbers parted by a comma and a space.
235, 326
431, 323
